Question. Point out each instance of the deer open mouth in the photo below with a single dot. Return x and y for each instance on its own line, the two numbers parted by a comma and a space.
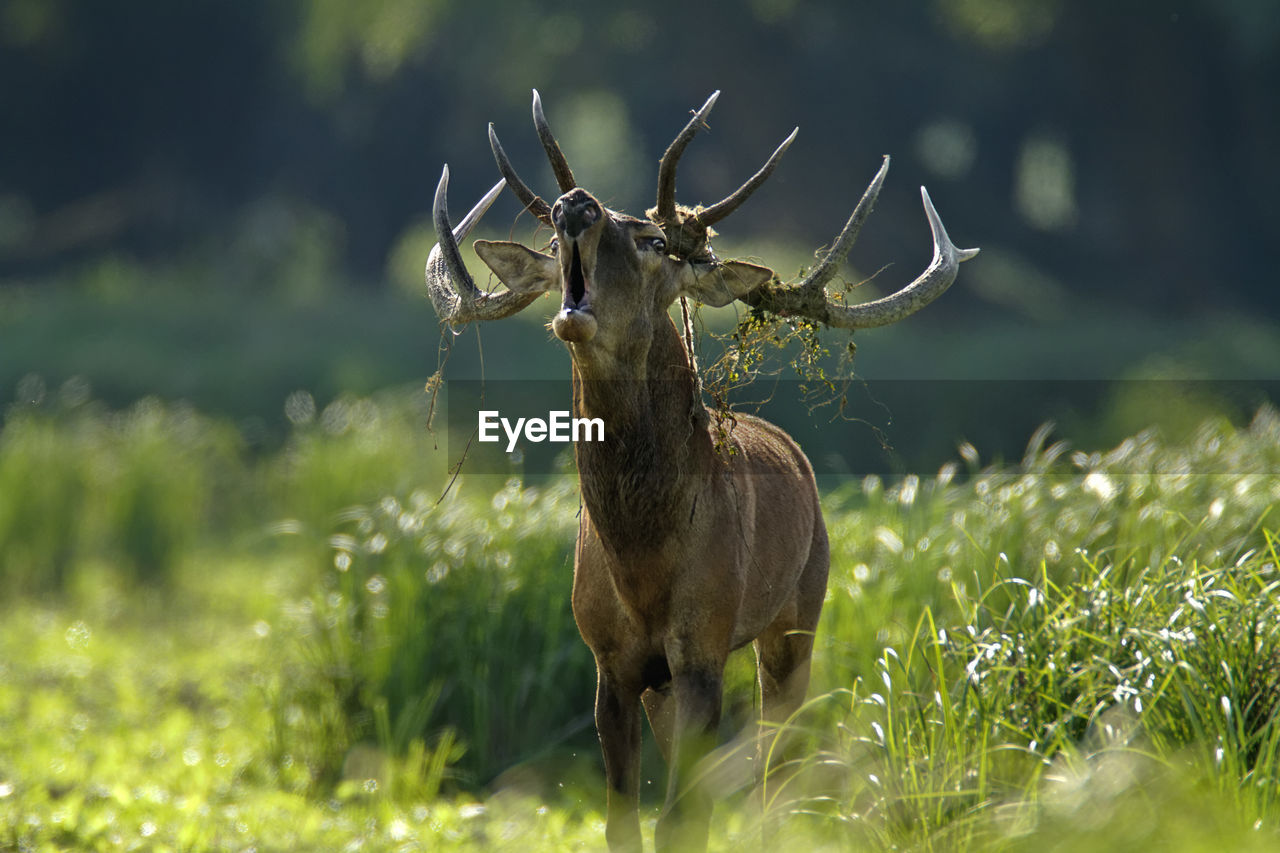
575, 323
575, 283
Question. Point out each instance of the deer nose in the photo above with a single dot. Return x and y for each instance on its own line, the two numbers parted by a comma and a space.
575, 212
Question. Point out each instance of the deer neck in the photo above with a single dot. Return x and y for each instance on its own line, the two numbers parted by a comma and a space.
639, 483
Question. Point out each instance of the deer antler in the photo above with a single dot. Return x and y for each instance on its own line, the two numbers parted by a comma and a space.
458, 300
666, 209
453, 292
564, 175
559, 165
809, 297
688, 230
531, 200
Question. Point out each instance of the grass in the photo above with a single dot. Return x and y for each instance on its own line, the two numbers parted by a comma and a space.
303, 650
448, 617
127, 725
134, 488
82, 486
1054, 700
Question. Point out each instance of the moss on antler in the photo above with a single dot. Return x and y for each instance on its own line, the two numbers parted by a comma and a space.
687, 237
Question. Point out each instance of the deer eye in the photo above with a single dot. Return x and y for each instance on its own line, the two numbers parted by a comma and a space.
652, 244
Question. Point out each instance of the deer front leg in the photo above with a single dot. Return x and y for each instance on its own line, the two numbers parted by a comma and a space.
618, 725
686, 815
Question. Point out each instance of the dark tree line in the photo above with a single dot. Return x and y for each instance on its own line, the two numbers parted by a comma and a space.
1120, 150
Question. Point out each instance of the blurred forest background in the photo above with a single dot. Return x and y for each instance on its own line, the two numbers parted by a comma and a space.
227, 201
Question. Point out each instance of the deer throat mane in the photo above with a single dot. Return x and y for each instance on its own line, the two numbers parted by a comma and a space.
639, 483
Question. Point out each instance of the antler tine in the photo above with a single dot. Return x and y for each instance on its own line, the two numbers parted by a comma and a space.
564, 175
452, 290
830, 263
931, 284
809, 297
532, 201
448, 240
666, 210
719, 210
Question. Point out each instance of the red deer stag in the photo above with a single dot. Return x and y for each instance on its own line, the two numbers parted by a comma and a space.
685, 551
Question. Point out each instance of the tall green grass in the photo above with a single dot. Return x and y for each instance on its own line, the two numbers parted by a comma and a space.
930, 542
453, 619
1078, 651
137, 491
133, 489
1045, 702
1003, 652
353, 450
999, 646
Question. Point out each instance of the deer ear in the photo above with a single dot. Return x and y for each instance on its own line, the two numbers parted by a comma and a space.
719, 284
521, 269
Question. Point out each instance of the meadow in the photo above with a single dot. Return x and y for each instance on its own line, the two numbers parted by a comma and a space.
209, 647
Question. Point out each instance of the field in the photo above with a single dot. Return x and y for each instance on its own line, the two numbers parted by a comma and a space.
1074, 651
